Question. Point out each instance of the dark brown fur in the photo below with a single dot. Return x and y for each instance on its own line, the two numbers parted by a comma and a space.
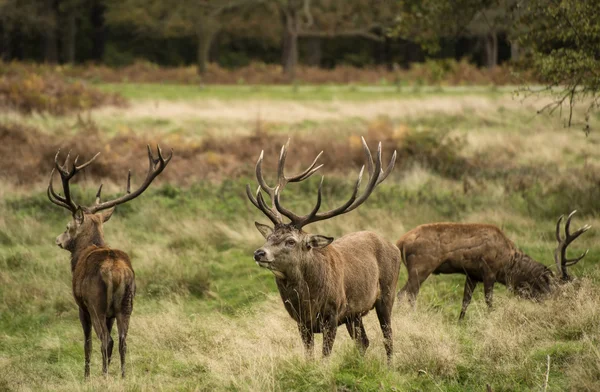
103, 285
481, 252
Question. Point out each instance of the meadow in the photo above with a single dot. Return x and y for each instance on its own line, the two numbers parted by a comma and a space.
206, 317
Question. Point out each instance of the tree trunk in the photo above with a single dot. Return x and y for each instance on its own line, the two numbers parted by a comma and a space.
6, 43
491, 49
98, 37
50, 36
207, 29
70, 33
290, 60
315, 52
515, 51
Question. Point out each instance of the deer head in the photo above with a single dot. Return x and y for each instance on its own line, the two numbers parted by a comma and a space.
560, 254
531, 279
287, 244
85, 228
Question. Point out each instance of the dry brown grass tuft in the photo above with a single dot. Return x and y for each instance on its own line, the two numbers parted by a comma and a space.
28, 92
448, 72
214, 158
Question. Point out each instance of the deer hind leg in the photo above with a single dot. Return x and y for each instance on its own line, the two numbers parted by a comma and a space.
99, 323
123, 328
109, 324
307, 336
468, 294
357, 332
86, 324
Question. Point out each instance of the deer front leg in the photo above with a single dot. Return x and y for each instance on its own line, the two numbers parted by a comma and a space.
489, 278
469, 288
86, 324
329, 330
307, 336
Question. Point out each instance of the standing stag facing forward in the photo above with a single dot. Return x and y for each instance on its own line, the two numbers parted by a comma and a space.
325, 283
103, 279
484, 254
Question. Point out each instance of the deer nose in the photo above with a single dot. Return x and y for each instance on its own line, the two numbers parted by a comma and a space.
259, 254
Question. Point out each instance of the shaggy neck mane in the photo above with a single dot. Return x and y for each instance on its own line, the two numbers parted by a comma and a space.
84, 241
305, 286
525, 270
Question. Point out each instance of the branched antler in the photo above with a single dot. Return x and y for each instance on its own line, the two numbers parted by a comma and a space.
282, 181
376, 176
156, 166
560, 254
66, 174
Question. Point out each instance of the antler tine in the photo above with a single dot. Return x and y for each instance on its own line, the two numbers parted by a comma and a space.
155, 167
560, 254
558, 238
388, 170
99, 195
259, 202
259, 176
128, 181
281, 180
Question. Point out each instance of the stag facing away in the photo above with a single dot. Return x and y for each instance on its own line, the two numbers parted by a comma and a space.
103, 278
325, 283
484, 254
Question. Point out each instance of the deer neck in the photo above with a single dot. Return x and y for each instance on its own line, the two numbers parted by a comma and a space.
525, 269
308, 275
85, 241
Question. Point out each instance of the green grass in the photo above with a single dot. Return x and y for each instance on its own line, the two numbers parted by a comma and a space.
207, 318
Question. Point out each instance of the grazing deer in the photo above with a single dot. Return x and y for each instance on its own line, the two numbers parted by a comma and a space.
103, 279
484, 254
325, 283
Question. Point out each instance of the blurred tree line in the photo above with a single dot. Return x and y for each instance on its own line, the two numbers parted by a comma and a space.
231, 33
557, 39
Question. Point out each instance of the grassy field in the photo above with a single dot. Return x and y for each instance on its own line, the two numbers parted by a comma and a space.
207, 318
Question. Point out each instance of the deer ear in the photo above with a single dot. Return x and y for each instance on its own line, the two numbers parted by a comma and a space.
79, 216
265, 230
318, 241
106, 214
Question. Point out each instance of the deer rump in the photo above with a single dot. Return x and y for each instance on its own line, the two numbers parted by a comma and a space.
348, 278
104, 282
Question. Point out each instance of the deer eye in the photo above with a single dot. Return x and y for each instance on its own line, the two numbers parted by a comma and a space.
290, 243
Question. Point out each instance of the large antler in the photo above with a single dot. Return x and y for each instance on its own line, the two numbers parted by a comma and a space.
560, 254
155, 167
65, 174
376, 176
282, 181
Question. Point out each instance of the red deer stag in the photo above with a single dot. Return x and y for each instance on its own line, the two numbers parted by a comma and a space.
325, 283
103, 279
484, 254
